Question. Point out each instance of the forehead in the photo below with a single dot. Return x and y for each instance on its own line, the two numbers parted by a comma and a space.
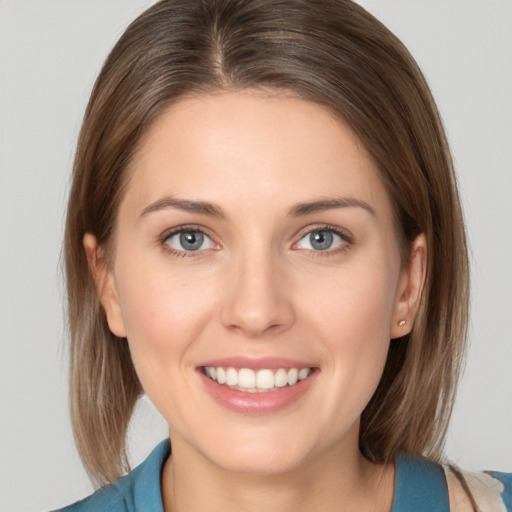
251, 147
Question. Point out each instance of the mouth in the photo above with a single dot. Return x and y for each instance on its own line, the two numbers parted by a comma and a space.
264, 380
257, 386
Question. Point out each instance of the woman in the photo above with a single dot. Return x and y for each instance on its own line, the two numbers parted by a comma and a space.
264, 236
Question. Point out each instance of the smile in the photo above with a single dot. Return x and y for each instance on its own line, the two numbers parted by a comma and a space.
260, 381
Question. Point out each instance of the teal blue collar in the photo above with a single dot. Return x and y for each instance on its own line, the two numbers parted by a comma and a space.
420, 486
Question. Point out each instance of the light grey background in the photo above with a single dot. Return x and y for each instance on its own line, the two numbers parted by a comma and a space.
50, 53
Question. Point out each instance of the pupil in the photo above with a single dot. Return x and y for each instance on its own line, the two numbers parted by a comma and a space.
321, 240
191, 241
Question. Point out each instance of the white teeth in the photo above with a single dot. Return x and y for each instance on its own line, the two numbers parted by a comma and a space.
265, 379
293, 375
246, 378
221, 375
260, 381
303, 373
231, 377
281, 378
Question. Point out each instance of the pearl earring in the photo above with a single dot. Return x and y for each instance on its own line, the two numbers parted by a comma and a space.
401, 323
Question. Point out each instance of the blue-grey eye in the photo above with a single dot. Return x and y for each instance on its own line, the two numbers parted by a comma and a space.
320, 240
189, 240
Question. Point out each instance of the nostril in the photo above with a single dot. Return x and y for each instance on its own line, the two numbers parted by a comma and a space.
255, 302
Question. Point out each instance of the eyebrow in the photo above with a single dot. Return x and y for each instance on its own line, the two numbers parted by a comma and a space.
212, 210
329, 204
200, 207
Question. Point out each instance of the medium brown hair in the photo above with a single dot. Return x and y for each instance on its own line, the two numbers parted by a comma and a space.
333, 53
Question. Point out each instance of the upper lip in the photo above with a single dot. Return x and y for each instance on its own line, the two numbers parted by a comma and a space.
259, 363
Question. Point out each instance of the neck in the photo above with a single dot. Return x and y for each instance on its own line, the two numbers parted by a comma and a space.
340, 480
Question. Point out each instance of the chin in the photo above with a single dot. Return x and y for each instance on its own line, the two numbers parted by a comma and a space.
262, 456
260, 464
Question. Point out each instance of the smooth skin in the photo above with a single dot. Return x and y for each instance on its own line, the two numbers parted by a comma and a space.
236, 167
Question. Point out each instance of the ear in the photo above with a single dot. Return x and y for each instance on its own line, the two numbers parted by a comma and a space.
410, 287
105, 285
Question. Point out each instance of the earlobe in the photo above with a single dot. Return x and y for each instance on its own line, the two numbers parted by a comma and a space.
105, 285
410, 289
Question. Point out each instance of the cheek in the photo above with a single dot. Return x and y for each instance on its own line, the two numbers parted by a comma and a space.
164, 316
352, 315
355, 301
164, 313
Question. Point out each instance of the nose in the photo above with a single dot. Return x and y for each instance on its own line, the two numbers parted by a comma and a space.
257, 301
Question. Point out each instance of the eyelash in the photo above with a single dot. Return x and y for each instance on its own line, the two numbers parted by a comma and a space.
311, 229
344, 235
183, 229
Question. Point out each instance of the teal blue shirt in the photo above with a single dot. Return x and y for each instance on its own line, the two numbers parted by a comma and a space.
420, 486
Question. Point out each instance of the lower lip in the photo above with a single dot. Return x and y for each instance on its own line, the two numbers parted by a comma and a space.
257, 403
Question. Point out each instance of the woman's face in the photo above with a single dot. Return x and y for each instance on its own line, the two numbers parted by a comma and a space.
257, 278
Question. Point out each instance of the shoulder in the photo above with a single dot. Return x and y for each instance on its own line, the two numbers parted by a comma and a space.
491, 490
139, 490
113, 498
420, 485
425, 486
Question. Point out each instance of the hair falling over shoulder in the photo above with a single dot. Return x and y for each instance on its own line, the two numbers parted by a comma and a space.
333, 53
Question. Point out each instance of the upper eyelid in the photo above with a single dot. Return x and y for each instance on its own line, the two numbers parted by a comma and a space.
186, 227
343, 233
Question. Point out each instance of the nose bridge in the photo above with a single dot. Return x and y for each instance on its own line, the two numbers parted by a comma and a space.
256, 301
